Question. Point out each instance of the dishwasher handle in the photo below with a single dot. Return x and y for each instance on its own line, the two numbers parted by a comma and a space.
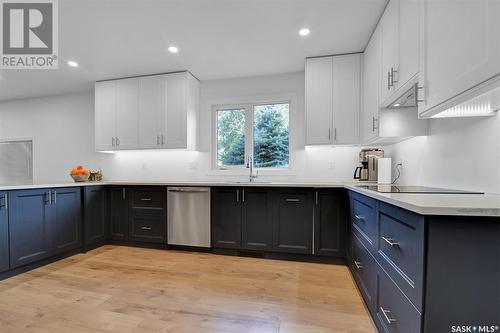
188, 190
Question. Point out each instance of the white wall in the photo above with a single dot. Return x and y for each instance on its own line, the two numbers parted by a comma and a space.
461, 153
62, 129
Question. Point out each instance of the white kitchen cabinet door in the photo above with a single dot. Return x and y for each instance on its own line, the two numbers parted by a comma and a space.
175, 121
389, 49
105, 115
346, 98
408, 42
127, 114
371, 73
460, 48
319, 100
152, 110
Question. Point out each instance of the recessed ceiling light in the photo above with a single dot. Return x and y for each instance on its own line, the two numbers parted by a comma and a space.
173, 49
304, 31
72, 63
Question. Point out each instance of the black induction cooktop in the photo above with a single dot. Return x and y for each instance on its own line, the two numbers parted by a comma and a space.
414, 189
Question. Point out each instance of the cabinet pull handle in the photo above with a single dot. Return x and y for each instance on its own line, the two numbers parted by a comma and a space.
358, 265
117, 141
418, 95
146, 228
389, 319
329, 134
113, 142
243, 195
359, 217
123, 192
292, 200
162, 139
237, 195
54, 201
393, 75
47, 199
145, 199
316, 198
390, 241
374, 120
157, 140
388, 80
335, 134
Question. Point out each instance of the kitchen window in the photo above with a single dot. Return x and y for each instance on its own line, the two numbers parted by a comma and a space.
260, 130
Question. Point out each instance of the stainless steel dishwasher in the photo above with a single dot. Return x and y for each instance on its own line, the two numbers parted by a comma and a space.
188, 216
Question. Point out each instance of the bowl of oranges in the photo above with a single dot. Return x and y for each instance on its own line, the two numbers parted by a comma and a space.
80, 174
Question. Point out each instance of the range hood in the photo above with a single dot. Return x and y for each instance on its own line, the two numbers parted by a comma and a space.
406, 100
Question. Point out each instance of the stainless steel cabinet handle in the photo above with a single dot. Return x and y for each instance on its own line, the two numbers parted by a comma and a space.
195, 190
145, 199
146, 228
316, 200
243, 195
329, 134
359, 217
358, 264
123, 192
54, 201
387, 318
237, 195
113, 142
292, 200
374, 120
335, 134
117, 141
47, 198
388, 80
393, 75
5, 203
162, 139
390, 241
157, 139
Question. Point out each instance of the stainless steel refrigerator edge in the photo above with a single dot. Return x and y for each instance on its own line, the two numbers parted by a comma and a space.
188, 216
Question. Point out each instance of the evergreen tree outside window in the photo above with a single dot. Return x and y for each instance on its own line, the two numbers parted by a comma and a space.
260, 130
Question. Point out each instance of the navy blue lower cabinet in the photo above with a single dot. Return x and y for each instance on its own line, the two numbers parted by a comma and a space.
95, 215
118, 218
463, 273
30, 226
364, 271
4, 231
67, 219
329, 223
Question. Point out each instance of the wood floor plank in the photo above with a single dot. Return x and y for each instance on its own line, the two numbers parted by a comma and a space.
124, 289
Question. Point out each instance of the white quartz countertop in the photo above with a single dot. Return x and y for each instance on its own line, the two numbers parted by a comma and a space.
424, 204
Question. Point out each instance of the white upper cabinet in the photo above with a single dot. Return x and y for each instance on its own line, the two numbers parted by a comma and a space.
152, 95
371, 75
127, 114
346, 98
460, 49
389, 49
105, 115
408, 41
319, 100
149, 112
333, 99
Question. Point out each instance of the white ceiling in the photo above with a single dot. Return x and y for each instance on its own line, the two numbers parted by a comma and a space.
216, 39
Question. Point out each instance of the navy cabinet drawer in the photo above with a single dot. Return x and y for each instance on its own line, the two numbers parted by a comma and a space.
401, 249
363, 219
363, 268
148, 199
394, 313
148, 228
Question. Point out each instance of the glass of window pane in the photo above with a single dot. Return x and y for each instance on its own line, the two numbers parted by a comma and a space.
271, 135
230, 137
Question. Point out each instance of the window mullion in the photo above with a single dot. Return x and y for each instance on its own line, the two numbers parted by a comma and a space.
248, 129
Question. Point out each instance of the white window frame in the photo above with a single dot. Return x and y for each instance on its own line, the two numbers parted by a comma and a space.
248, 105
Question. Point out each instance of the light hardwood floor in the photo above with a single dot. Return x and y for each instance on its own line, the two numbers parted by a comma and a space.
123, 289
